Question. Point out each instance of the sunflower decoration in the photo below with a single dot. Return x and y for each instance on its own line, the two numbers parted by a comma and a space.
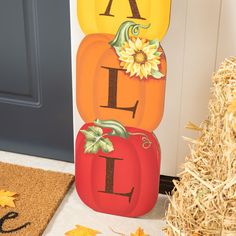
138, 57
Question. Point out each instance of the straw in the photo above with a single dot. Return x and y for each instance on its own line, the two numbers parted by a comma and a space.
204, 200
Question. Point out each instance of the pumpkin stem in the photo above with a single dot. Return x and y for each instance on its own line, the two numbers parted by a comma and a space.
117, 128
122, 35
146, 141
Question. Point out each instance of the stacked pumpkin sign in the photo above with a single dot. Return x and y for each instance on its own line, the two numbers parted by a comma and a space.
120, 91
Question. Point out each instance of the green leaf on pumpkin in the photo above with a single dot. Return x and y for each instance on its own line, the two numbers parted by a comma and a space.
96, 130
155, 41
158, 54
91, 147
106, 145
157, 74
95, 140
92, 133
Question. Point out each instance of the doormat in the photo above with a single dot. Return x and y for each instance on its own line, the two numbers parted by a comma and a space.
36, 195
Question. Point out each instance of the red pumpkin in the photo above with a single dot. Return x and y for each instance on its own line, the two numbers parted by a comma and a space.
123, 180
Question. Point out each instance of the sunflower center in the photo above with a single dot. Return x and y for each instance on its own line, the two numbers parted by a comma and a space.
140, 57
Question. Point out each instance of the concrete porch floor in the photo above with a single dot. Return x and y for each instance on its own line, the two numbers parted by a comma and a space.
73, 212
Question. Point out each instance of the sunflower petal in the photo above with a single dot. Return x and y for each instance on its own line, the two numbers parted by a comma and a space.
129, 51
138, 44
144, 72
129, 67
154, 65
151, 57
132, 45
128, 59
137, 68
148, 68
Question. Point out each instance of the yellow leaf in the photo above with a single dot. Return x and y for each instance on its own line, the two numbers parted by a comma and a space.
7, 198
139, 232
82, 231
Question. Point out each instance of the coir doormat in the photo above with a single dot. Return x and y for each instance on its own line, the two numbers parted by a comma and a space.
36, 195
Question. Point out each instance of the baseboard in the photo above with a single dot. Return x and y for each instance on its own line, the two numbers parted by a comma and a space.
166, 184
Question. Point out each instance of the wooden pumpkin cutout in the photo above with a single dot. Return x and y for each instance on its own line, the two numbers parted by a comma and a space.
105, 16
117, 168
109, 88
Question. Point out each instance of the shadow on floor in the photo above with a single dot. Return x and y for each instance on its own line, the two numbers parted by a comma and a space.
158, 212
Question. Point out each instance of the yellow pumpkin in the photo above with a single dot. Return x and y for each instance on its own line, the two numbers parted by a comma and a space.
105, 16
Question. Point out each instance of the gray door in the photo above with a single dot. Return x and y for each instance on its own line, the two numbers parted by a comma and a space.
35, 78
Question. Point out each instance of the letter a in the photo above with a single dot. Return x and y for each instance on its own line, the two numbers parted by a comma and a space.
133, 6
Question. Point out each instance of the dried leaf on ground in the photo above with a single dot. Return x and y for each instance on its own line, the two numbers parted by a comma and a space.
82, 231
7, 198
139, 232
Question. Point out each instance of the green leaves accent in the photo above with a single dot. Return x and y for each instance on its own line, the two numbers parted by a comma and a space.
157, 74
158, 54
155, 42
95, 140
92, 133
106, 145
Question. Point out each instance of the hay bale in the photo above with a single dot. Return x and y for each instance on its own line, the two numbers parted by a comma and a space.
204, 200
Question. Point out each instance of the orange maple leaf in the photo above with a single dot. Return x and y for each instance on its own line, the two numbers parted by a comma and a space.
7, 198
139, 232
82, 231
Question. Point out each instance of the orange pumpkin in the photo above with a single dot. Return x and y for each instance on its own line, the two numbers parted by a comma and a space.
106, 91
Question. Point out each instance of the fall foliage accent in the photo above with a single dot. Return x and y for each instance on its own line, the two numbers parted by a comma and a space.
203, 202
82, 231
139, 232
139, 57
7, 198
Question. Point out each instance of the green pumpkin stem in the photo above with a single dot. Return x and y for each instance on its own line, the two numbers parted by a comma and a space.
122, 35
119, 130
